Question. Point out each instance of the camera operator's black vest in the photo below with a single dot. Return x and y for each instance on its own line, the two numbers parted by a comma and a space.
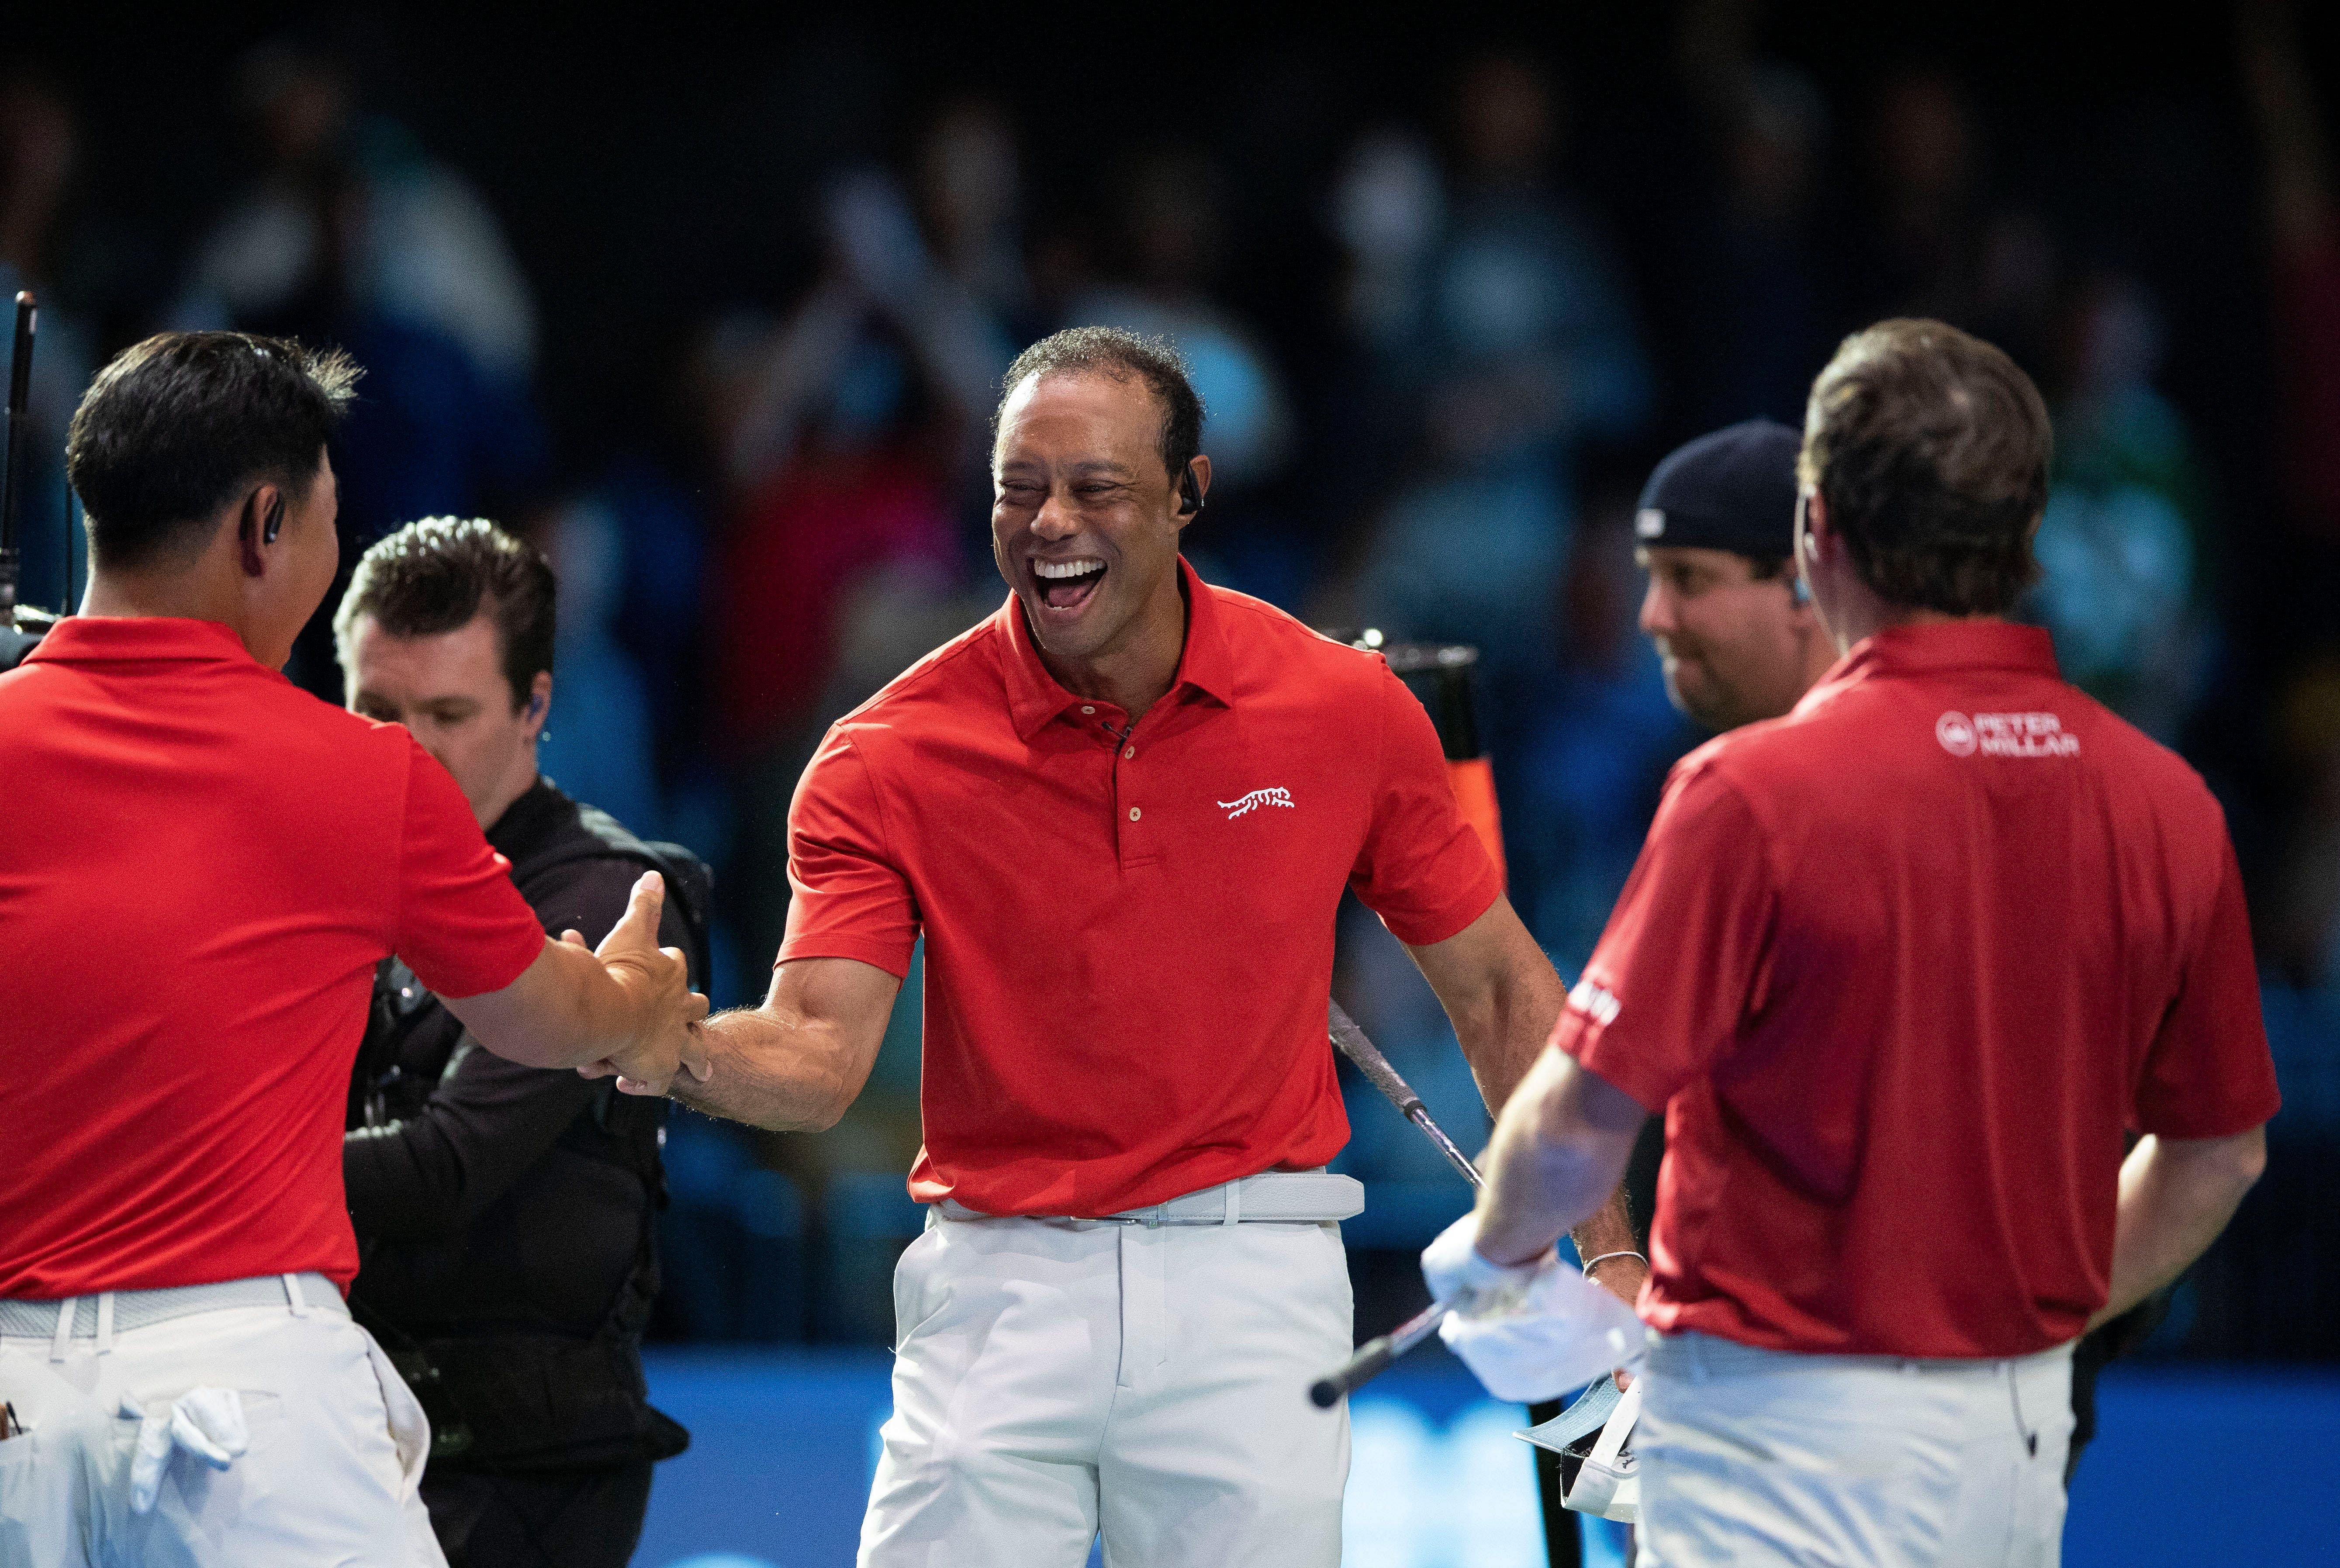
514, 1401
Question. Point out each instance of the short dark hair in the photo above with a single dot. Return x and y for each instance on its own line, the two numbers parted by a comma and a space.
1931, 450
175, 427
1124, 356
433, 576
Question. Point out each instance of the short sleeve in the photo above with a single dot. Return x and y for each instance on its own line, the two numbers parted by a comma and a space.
1670, 981
463, 927
1421, 870
847, 898
2208, 1072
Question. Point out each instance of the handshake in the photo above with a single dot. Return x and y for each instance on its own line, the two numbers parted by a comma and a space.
625, 1008
666, 1038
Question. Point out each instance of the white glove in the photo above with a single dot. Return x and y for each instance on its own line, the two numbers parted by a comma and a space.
1531, 1331
208, 1422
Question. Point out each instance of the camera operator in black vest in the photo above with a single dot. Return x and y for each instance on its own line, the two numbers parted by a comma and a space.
505, 1214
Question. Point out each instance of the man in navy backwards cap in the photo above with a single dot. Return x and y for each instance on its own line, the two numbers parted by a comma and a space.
1715, 531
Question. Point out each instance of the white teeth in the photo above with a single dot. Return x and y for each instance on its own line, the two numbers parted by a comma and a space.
1066, 567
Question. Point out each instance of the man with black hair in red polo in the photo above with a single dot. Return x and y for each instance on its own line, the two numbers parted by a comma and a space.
201, 868
1122, 812
1902, 969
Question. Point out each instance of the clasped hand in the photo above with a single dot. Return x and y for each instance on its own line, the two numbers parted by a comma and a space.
668, 1039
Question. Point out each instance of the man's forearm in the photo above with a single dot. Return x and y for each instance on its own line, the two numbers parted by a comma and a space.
1558, 1152
768, 1074
2175, 1197
1504, 1035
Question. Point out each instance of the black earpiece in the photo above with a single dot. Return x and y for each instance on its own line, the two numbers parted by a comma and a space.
275, 522
535, 706
1190, 494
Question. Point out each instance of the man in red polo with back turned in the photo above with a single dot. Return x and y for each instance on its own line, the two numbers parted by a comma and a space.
1901, 969
1121, 811
201, 867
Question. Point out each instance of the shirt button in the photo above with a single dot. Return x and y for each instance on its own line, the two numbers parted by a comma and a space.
1130, 752
1089, 707
1133, 813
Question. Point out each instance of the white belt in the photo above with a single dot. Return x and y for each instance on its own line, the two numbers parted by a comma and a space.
1271, 1197
112, 1312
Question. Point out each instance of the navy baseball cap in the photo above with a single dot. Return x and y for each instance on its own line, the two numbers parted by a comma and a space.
1733, 490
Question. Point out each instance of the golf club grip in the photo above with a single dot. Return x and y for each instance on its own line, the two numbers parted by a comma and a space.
1373, 1357
1370, 1061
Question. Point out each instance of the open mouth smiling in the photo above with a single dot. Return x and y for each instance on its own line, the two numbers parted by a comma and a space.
1067, 585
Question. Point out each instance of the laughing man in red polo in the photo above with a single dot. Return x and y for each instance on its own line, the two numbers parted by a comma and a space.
1121, 811
201, 867
1900, 969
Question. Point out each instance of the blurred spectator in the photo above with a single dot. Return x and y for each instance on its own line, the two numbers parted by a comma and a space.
1762, 297
1171, 223
840, 430
970, 192
2119, 546
2304, 227
1532, 352
341, 192
352, 235
46, 246
596, 743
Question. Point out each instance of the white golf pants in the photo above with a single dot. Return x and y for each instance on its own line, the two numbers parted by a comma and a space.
1752, 1457
335, 1444
1054, 1378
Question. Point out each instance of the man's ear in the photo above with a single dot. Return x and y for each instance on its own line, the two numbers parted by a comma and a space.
256, 522
539, 702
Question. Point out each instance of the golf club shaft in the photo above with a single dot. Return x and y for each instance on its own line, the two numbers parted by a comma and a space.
1354, 1045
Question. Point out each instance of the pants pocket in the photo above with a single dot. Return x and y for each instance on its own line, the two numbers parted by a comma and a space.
49, 1475
410, 1429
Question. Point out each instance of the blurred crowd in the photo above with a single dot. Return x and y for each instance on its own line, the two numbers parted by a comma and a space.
1432, 418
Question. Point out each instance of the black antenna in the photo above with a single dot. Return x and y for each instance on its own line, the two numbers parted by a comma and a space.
20, 381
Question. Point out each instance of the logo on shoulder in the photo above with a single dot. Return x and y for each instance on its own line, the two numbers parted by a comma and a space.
2005, 735
1246, 804
1595, 1002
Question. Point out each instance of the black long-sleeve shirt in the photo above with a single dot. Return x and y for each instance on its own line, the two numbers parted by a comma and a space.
488, 1196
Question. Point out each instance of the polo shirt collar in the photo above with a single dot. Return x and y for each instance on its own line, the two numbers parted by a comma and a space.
137, 638
1941, 646
1204, 663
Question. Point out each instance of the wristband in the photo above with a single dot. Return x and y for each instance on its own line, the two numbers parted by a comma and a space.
1587, 1267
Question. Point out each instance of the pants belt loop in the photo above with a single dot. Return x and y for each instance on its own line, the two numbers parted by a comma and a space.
292, 1296
65, 1328
1234, 1204
105, 1322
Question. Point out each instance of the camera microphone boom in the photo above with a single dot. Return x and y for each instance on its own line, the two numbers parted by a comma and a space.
21, 626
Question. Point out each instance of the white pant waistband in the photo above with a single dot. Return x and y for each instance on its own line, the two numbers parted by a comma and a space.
108, 1313
1271, 1197
1700, 1356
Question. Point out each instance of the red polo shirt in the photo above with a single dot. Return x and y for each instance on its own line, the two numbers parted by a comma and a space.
202, 865
1900, 968
1129, 942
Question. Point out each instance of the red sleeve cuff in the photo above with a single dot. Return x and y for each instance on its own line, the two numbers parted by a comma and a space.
1585, 1039
892, 958
1451, 920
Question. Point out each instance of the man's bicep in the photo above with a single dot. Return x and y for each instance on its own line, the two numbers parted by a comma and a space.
463, 927
848, 893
